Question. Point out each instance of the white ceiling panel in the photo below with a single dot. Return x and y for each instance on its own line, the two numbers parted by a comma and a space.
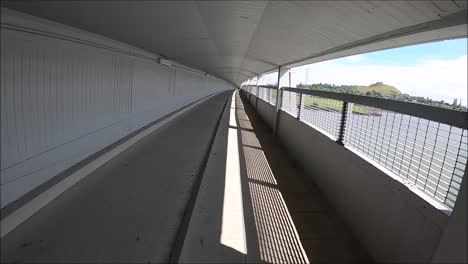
238, 39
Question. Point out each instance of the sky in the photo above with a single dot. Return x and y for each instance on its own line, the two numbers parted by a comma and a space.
436, 70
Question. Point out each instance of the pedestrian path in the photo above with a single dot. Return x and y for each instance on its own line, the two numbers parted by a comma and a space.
256, 206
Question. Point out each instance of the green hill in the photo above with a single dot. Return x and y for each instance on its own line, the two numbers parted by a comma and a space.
379, 87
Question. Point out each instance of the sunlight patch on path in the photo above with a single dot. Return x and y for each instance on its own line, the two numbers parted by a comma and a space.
233, 227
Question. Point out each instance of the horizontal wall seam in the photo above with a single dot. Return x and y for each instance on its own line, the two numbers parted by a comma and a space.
75, 40
92, 44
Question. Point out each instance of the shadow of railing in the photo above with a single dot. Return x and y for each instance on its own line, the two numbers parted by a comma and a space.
294, 223
271, 234
253, 207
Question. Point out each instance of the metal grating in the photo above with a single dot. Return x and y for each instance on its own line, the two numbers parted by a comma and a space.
429, 155
254, 90
289, 102
267, 94
322, 113
273, 93
262, 93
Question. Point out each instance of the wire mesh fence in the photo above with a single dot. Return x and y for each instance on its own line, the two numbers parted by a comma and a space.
273, 94
254, 90
321, 113
289, 103
267, 94
429, 155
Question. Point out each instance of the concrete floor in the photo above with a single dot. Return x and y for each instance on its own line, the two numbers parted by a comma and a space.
256, 206
253, 206
128, 210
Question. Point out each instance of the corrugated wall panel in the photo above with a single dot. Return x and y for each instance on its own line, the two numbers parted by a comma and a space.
150, 92
62, 101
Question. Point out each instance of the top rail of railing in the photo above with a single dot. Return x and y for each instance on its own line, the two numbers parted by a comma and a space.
262, 86
268, 86
438, 114
429, 157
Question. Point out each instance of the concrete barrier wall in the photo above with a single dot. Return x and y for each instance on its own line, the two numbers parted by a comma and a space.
392, 222
253, 100
67, 93
267, 112
264, 109
454, 242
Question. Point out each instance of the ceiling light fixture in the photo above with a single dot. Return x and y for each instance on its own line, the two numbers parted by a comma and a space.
165, 62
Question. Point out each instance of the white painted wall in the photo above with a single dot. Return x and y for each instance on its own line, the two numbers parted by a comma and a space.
66, 94
391, 221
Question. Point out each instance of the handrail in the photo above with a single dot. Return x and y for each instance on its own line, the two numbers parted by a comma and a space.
268, 86
441, 115
262, 86
411, 144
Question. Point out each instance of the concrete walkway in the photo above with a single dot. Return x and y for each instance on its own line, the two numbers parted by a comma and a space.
253, 205
130, 209
256, 206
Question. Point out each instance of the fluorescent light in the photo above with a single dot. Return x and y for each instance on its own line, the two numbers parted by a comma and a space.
165, 62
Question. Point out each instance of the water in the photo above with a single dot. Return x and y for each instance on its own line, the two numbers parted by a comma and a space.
428, 154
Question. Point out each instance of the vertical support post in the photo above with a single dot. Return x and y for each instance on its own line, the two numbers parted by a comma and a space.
299, 108
283, 81
256, 97
344, 115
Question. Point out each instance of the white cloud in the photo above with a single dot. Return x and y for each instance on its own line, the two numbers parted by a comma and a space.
355, 58
437, 79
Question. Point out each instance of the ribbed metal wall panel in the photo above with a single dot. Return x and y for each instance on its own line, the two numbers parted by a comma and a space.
62, 101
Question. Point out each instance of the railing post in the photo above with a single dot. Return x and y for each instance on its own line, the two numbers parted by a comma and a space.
344, 115
282, 82
300, 107
256, 97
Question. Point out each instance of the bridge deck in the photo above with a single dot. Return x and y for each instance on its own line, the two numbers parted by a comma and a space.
253, 205
256, 206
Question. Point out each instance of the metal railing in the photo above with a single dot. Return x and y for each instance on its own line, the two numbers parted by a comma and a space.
267, 93
424, 146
